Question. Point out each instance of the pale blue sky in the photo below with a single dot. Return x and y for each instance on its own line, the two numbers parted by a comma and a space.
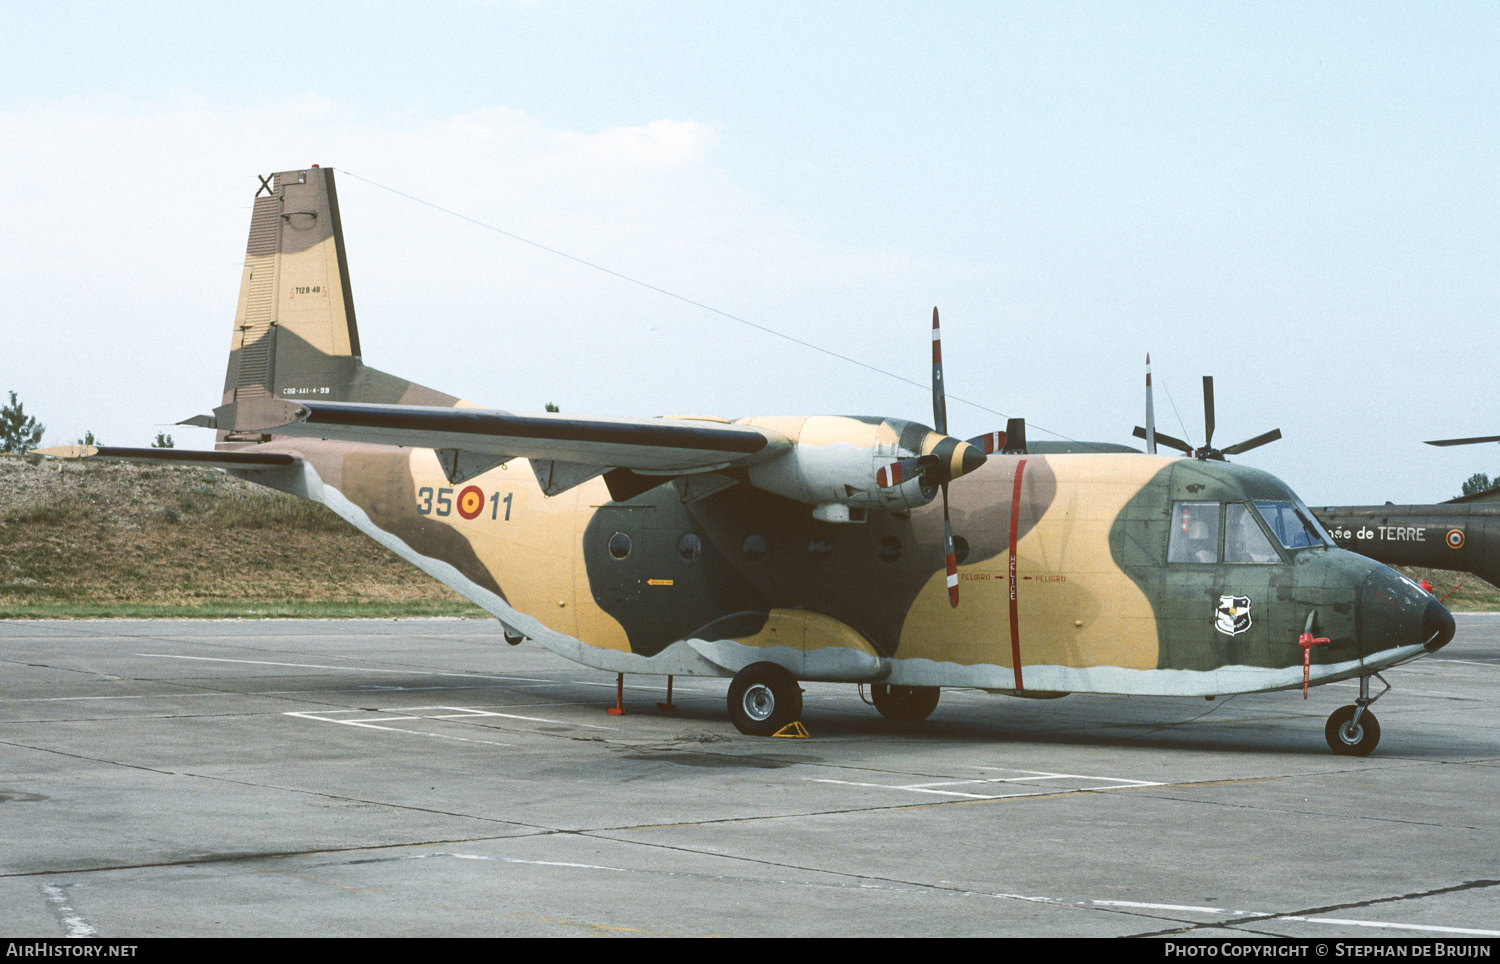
1298, 199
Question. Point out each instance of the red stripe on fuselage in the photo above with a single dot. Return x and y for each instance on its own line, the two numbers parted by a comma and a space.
1015, 619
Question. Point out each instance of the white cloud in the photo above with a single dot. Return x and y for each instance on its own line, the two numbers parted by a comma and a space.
129, 222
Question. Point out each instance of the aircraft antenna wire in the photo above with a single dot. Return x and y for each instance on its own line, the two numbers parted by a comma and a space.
1185, 436
696, 304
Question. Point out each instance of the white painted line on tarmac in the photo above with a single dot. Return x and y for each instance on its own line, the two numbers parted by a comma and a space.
398, 729
518, 860
412, 713
1184, 908
1260, 916
405, 672
1044, 775
264, 662
1025, 777
915, 788
1263, 916
453, 713
72, 921
1433, 928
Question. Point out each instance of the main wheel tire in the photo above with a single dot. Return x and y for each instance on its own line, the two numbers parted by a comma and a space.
1348, 738
907, 704
763, 698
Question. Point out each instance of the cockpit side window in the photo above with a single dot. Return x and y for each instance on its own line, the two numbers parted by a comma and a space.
1195, 532
1291, 523
1244, 540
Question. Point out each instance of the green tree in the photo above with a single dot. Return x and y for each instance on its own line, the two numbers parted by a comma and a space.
88, 439
552, 408
163, 441
1478, 482
18, 431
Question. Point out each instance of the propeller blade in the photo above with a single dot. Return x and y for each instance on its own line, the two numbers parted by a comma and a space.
905, 470
1254, 443
1465, 441
1167, 440
1150, 433
950, 559
1208, 412
989, 443
939, 398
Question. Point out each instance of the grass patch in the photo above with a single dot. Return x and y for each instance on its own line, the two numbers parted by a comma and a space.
95, 540
45, 513
269, 509
1461, 592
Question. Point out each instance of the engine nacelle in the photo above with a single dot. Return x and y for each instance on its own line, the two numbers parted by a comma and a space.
834, 459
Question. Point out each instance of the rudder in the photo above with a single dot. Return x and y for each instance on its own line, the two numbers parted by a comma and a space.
295, 334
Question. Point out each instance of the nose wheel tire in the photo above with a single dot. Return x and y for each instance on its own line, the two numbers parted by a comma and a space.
763, 698
905, 704
1350, 737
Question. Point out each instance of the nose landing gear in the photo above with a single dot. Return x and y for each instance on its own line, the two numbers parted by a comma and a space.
1353, 730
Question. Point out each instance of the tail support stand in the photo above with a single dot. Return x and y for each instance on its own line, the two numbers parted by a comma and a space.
619, 708
668, 706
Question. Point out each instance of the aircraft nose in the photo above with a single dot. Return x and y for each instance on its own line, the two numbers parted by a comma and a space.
1396, 613
1437, 626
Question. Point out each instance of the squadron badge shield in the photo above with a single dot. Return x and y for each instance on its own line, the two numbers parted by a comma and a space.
1232, 615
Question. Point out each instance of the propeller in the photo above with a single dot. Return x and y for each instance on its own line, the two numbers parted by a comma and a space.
947, 458
1207, 450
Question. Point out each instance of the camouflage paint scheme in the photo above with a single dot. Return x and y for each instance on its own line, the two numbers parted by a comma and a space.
1063, 572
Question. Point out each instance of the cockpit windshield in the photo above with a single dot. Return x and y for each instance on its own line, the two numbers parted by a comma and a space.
1292, 524
1243, 539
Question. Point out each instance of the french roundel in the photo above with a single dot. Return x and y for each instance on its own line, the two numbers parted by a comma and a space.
1455, 538
470, 501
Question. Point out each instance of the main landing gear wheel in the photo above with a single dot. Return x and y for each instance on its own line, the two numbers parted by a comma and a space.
763, 698
906, 704
1350, 737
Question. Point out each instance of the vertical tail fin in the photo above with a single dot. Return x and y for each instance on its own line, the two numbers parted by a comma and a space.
294, 330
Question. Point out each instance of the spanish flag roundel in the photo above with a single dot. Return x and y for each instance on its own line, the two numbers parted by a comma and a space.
470, 501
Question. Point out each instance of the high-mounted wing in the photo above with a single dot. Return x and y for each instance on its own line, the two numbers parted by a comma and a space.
564, 450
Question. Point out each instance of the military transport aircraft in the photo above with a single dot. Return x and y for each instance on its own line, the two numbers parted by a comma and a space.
773, 550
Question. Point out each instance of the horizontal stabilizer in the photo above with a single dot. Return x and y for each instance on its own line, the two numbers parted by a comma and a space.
226, 460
